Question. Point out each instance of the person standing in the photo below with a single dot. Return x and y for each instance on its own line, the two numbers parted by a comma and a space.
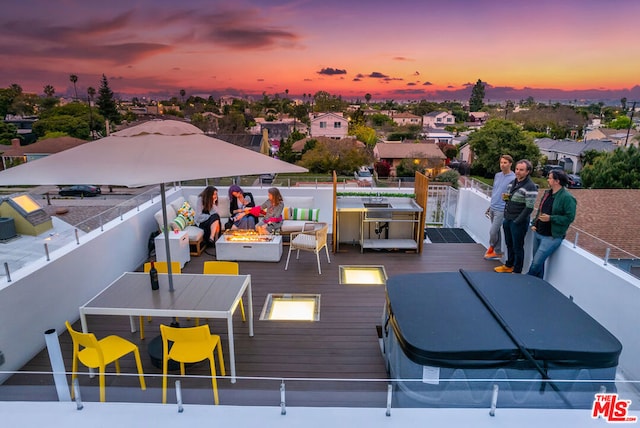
556, 212
520, 198
495, 211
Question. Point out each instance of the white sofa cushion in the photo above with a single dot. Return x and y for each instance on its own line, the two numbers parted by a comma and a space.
171, 214
289, 226
194, 232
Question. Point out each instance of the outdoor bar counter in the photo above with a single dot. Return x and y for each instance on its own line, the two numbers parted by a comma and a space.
378, 222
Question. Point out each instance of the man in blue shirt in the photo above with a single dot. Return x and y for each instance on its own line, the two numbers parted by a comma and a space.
496, 210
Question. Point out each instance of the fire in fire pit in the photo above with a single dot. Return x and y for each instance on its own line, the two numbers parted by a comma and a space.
241, 235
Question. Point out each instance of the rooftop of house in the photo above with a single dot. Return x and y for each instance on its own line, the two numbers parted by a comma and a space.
397, 150
571, 147
48, 146
609, 215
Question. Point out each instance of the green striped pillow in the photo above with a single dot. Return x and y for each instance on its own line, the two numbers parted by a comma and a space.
309, 214
180, 222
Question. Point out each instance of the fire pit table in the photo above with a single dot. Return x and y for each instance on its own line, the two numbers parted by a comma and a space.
248, 245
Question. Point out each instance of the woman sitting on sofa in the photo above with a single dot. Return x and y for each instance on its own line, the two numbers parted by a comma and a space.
238, 201
272, 210
207, 217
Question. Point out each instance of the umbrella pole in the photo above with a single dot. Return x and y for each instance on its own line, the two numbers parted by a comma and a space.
163, 200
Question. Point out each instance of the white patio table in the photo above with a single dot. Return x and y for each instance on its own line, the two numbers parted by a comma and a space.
194, 295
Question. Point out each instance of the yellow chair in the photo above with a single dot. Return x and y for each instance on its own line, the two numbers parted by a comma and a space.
223, 268
97, 354
312, 240
161, 267
190, 345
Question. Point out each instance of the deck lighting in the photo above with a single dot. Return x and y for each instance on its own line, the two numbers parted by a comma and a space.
364, 274
291, 307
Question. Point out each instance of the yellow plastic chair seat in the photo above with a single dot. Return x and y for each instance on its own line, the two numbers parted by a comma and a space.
190, 345
215, 267
97, 354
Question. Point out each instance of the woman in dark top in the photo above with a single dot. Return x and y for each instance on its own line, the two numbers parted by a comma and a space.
207, 217
238, 201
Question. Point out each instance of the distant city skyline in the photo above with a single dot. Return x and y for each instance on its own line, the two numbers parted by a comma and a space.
393, 50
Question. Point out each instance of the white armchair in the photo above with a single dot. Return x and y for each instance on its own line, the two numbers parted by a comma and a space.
310, 240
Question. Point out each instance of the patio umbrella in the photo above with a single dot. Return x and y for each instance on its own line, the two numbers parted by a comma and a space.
155, 152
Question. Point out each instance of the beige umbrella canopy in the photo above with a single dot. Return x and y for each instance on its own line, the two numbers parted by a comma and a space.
158, 151
155, 152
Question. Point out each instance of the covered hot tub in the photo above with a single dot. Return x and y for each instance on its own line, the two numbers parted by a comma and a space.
450, 337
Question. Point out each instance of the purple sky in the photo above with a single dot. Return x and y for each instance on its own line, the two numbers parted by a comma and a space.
561, 49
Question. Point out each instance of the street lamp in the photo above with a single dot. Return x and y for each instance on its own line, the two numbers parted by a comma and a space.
91, 93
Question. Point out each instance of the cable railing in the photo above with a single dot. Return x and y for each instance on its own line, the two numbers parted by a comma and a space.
439, 214
385, 394
609, 254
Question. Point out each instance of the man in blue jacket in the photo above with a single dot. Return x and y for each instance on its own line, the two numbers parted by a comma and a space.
556, 212
520, 198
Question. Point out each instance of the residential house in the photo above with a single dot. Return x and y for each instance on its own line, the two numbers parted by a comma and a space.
332, 125
478, 117
279, 129
212, 122
568, 153
437, 135
437, 119
617, 136
24, 126
16, 154
465, 153
394, 152
405, 119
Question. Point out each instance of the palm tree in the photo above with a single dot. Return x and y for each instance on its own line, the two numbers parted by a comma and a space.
73, 78
49, 91
182, 94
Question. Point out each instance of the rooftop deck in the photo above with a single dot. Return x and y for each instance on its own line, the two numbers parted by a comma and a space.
319, 361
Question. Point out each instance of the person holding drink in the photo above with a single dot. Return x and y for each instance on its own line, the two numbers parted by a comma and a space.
520, 199
495, 212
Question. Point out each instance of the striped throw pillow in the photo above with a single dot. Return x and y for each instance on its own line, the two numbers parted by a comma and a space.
180, 222
309, 214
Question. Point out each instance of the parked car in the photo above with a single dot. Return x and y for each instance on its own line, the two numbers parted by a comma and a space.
549, 167
267, 178
80, 190
575, 182
364, 177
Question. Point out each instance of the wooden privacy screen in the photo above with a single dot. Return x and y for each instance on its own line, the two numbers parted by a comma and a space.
334, 228
421, 189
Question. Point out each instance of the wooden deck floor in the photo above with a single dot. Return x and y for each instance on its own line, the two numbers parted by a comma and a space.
342, 346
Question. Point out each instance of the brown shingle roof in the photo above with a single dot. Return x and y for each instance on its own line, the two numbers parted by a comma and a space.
610, 215
48, 146
408, 150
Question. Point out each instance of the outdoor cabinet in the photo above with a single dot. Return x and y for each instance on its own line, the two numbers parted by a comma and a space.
178, 246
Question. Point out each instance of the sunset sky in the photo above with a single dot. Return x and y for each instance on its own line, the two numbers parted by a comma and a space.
400, 49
